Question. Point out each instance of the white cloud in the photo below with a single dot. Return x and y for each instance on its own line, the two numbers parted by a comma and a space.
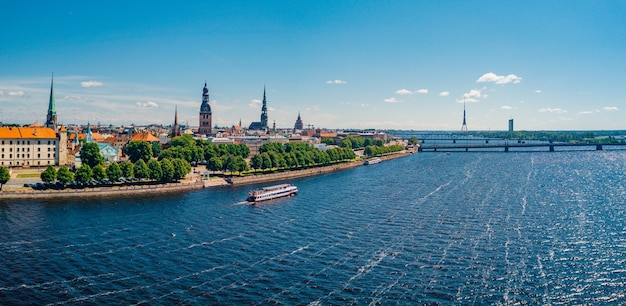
506, 107
499, 79
147, 104
552, 110
392, 100
254, 103
537, 91
1, 93
312, 108
422, 91
585, 112
444, 93
87, 84
474, 93
19, 93
338, 82
610, 108
403, 92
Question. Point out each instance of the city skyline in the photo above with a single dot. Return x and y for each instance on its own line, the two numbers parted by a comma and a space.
348, 64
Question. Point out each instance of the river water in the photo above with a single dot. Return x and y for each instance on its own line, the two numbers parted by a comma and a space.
465, 228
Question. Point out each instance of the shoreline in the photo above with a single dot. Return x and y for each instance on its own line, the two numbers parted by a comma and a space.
187, 185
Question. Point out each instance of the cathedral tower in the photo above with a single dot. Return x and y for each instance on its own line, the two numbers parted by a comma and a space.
205, 113
298, 126
51, 118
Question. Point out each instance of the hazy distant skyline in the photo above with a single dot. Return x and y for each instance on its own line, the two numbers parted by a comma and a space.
550, 65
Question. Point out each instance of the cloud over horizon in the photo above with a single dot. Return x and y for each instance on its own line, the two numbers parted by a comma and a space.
87, 84
336, 82
552, 110
147, 104
392, 100
499, 79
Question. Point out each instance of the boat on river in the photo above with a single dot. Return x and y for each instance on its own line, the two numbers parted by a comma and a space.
271, 192
372, 161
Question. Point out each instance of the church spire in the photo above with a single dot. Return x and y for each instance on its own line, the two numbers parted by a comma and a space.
264, 111
51, 118
175, 128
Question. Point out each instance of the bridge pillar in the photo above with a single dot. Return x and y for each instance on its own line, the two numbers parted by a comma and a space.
599, 147
551, 148
453, 140
466, 149
506, 149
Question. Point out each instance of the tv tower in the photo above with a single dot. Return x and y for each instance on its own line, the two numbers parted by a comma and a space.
464, 126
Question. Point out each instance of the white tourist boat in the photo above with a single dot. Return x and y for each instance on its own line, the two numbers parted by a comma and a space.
372, 161
271, 192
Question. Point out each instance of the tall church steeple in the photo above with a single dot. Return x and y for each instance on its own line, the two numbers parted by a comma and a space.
205, 113
264, 112
51, 118
175, 127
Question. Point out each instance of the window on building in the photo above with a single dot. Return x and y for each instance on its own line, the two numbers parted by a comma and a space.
48, 155
38, 141
10, 155
38, 149
38, 155
48, 141
10, 141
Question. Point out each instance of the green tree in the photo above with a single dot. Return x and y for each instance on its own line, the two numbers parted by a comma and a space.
90, 154
267, 161
128, 169
181, 168
156, 148
214, 164
49, 175
83, 174
114, 171
186, 141
167, 170
256, 161
139, 149
98, 173
141, 169
413, 140
64, 175
154, 170
5, 176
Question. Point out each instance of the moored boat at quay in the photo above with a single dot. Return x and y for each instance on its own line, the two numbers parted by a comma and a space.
372, 161
271, 192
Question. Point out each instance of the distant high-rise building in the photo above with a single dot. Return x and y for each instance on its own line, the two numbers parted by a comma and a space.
464, 126
51, 118
205, 113
298, 126
510, 125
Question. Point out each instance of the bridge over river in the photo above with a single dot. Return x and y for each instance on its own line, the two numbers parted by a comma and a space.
508, 145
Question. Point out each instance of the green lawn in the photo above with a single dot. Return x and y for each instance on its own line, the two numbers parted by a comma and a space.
28, 175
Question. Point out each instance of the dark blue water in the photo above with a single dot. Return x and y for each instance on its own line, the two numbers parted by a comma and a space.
465, 228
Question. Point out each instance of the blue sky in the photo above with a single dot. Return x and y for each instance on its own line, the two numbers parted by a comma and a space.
550, 65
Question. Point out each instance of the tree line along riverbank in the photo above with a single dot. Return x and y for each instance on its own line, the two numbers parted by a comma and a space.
144, 171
